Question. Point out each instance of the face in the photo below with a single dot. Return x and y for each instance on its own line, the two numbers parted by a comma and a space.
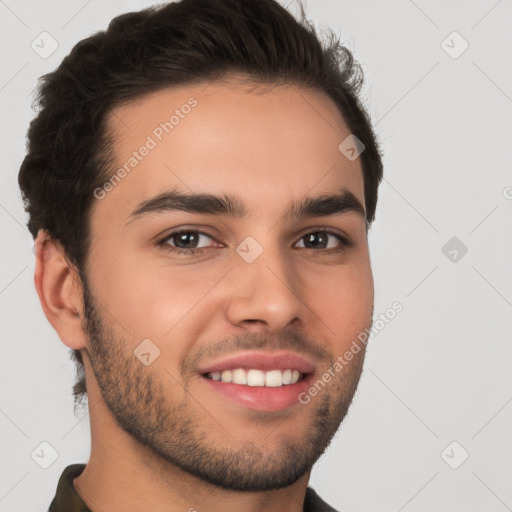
228, 270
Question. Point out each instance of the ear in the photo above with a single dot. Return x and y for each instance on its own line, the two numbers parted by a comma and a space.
60, 292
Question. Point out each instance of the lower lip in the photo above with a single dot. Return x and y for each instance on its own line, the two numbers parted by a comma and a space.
261, 398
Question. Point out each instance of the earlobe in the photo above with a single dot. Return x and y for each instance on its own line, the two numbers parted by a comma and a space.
58, 286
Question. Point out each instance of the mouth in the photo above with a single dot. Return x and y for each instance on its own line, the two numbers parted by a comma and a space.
263, 381
254, 377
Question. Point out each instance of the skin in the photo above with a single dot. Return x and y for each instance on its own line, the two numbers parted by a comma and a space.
267, 147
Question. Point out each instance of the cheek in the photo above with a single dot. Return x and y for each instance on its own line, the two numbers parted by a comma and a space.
148, 299
343, 299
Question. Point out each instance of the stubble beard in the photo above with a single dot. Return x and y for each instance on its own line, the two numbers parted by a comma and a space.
176, 434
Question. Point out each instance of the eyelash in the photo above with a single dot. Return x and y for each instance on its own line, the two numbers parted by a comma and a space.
163, 243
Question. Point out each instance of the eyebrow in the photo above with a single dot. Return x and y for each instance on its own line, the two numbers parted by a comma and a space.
231, 206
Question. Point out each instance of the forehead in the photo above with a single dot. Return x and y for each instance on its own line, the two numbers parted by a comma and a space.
266, 145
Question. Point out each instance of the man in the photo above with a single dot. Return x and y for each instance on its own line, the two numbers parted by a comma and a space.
200, 181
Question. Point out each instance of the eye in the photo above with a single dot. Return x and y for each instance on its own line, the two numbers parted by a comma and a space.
191, 241
186, 241
322, 240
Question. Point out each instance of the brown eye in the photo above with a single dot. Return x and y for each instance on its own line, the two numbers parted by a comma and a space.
322, 240
186, 241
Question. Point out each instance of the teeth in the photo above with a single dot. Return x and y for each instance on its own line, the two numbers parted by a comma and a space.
274, 378
253, 377
239, 376
226, 376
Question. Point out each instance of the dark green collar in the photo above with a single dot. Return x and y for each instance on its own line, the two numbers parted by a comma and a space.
66, 498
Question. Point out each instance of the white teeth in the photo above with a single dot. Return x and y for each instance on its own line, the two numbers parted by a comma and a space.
226, 376
287, 377
253, 377
239, 376
274, 378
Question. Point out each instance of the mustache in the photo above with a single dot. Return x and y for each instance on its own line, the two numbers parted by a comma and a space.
294, 341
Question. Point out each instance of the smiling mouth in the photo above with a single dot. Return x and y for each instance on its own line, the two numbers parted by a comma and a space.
258, 378
265, 381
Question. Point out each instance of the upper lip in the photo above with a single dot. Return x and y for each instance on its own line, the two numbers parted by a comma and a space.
261, 360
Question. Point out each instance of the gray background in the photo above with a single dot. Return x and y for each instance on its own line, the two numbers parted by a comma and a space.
440, 372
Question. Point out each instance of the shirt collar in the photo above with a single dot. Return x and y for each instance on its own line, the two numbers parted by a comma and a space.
66, 498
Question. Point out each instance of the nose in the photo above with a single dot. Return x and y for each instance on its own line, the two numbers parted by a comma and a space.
265, 294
